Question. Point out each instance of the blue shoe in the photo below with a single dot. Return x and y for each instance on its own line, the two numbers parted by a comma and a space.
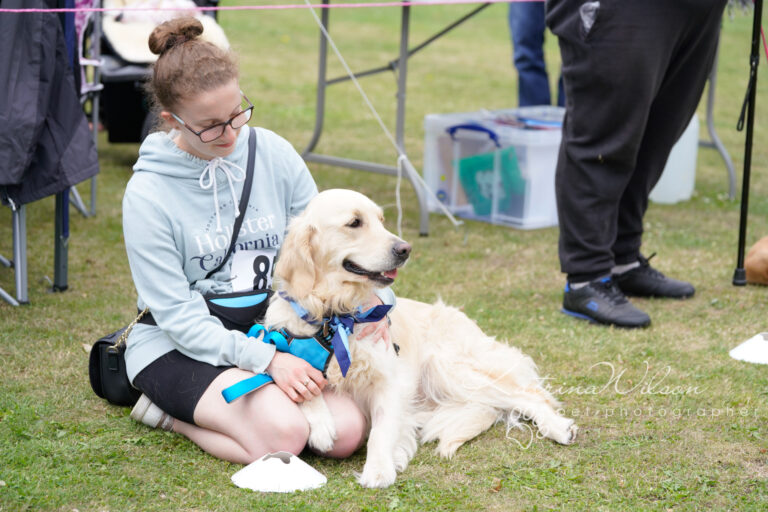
602, 302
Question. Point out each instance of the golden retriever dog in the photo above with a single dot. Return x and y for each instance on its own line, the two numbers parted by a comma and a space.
448, 381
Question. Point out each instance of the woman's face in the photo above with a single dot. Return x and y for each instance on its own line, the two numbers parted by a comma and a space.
203, 111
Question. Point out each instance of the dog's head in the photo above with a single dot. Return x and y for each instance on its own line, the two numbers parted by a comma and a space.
337, 251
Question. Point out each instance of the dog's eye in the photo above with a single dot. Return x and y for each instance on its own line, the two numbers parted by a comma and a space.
356, 223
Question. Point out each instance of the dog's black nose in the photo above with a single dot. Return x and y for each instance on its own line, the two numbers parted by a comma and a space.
402, 250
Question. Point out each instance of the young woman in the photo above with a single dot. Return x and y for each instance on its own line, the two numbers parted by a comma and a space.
178, 212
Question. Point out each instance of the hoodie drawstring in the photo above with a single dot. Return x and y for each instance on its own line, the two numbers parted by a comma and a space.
208, 180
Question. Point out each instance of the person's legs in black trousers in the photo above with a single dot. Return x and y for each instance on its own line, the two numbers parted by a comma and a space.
630, 90
674, 105
671, 111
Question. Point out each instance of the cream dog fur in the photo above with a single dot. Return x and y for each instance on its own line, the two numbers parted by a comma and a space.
449, 382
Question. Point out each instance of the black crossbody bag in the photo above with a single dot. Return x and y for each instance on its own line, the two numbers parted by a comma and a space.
237, 311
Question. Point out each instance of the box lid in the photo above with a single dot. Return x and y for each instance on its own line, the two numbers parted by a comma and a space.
537, 125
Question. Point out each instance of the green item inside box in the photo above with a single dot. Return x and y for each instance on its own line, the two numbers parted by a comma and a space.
477, 178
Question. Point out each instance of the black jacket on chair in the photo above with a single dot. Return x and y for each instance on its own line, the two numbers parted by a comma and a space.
45, 143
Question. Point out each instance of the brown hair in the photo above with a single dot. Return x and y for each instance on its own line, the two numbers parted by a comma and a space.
186, 65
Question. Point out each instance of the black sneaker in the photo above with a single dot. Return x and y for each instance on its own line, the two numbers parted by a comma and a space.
646, 281
601, 301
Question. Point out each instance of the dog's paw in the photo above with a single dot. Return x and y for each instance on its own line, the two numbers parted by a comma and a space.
574, 431
377, 475
447, 449
565, 433
322, 436
403, 455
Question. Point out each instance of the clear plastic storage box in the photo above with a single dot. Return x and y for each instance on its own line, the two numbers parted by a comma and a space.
495, 166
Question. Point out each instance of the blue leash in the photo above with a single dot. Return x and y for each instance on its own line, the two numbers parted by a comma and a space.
253, 383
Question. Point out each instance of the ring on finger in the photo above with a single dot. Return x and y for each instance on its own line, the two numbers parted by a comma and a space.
306, 383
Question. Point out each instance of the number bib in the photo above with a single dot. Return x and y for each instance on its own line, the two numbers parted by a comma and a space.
252, 270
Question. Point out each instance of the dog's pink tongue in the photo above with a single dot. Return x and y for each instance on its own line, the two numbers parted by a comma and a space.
391, 274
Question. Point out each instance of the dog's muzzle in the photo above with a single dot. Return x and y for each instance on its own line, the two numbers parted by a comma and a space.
400, 253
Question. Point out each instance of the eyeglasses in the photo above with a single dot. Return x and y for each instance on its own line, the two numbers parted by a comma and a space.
212, 133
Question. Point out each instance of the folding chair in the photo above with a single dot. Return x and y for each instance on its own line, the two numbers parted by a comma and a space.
88, 29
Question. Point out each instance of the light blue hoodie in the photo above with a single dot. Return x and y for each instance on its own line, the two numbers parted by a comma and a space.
178, 214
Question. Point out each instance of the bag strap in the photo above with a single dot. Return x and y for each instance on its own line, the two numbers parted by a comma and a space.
124, 336
243, 200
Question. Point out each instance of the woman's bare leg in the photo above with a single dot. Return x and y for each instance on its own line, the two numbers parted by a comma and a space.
265, 421
260, 422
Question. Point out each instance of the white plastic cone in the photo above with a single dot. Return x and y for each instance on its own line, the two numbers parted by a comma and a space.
754, 350
279, 472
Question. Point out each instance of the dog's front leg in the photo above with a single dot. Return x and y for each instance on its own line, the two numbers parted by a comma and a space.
379, 469
322, 429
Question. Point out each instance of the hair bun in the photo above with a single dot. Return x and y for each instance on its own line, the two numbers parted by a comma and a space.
173, 33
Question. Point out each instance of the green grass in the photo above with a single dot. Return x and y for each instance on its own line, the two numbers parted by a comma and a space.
688, 433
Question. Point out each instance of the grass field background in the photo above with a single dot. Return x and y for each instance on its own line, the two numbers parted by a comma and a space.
668, 421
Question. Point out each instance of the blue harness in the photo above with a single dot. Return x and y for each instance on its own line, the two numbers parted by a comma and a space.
331, 339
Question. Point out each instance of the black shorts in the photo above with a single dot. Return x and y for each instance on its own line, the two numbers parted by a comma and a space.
175, 383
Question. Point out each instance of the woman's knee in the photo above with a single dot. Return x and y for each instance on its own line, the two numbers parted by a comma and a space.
351, 428
280, 426
351, 438
289, 432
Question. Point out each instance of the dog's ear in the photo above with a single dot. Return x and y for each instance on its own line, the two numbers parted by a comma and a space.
295, 267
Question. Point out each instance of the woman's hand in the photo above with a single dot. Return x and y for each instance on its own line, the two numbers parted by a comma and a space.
297, 378
379, 330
